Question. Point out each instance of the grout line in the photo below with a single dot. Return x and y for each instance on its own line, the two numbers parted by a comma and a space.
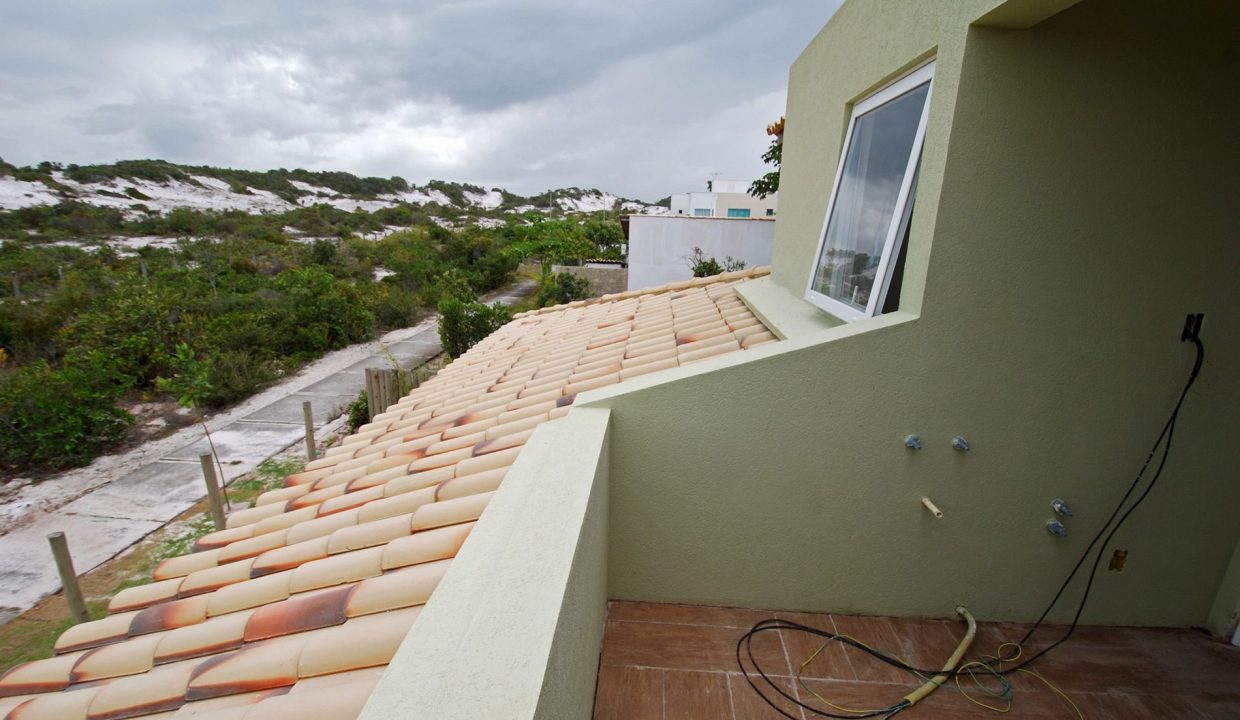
844, 651
769, 674
663, 693
683, 624
727, 679
1196, 709
796, 692
784, 646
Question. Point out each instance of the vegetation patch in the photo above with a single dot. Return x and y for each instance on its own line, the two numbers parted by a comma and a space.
88, 327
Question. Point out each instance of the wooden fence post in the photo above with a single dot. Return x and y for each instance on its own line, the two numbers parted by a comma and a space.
213, 491
307, 414
68, 577
382, 390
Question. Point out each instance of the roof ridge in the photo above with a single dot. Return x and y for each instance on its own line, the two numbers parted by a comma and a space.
728, 277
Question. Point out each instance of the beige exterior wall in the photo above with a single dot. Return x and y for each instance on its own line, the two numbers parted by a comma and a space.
757, 207
684, 204
1076, 200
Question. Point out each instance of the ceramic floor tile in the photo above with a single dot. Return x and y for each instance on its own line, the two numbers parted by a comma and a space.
878, 633
1105, 659
685, 614
749, 705
1131, 706
1213, 708
1196, 663
689, 695
848, 696
629, 693
829, 663
1109, 672
928, 643
685, 647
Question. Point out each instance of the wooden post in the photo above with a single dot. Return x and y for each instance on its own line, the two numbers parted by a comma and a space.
370, 394
213, 490
60, 273
17, 286
68, 577
382, 390
308, 415
142, 266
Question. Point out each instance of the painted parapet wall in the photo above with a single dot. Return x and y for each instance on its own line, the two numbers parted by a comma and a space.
515, 627
659, 245
1075, 203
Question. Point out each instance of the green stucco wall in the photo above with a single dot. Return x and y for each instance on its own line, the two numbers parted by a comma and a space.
1076, 200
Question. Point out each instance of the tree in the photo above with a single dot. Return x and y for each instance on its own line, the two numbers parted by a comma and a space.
462, 324
563, 288
768, 184
190, 383
606, 236
549, 241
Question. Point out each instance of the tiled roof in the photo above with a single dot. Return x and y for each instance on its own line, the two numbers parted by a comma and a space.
294, 609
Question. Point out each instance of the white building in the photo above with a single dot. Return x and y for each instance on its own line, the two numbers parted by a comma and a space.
660, 245
726, 198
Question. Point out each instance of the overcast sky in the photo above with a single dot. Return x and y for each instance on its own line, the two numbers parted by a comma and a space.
638, 97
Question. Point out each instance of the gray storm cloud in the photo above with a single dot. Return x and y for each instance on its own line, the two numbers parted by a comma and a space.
640, 98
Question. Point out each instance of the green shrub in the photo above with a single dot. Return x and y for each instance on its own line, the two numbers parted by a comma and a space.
462, 324
234, 375
703, 266
453, 284
393, 306
563, 288
136, 326
359, 411
52, 419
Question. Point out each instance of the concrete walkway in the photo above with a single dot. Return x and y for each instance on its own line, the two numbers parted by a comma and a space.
107, 520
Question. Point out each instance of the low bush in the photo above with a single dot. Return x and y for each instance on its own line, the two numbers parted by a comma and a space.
462, 324
359, 411
563, 288
703, 266
53, 419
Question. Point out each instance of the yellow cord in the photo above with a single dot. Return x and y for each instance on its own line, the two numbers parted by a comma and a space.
978, 683
822, 699
998, 659
1019, 652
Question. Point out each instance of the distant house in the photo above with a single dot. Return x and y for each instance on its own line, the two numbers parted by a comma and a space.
725, 198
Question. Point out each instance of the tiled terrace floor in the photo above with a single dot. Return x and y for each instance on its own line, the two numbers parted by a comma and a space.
677, 662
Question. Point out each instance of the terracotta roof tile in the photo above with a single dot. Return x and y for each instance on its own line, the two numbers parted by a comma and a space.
215, 635
293, 610
39, 676
62, 705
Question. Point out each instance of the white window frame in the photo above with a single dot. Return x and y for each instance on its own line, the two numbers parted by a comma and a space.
899, 216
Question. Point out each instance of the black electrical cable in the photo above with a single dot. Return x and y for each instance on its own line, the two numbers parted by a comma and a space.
1167, 434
